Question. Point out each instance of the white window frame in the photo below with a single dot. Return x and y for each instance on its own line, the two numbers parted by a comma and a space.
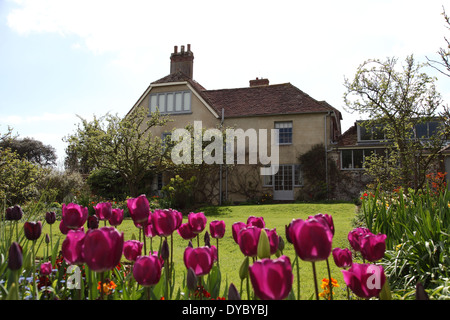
184, 97
281, 125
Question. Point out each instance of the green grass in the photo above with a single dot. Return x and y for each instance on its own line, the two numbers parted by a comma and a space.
275, 216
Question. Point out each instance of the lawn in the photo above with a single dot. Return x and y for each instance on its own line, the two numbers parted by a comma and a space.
276, 216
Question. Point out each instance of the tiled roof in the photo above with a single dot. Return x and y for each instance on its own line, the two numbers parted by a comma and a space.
264, 100
255, 101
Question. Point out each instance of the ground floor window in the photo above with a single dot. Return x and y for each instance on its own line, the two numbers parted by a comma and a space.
288, 176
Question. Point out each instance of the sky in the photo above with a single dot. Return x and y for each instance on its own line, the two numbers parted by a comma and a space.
63, 59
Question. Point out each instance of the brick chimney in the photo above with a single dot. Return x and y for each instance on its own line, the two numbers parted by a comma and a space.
259, 82
182, 61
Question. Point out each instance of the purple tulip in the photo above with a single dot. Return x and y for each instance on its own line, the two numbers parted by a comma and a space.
200, 259
132, 249
217, 229
235, 229
271, 279
50, 217
72, 247
15, 257
74, 215
256, 222
116, 217
14, 213
342, 257
103, 210
165, 221
149, 229
45, 268
248, 241
312, 240
139, 209
373, 246
365, 280
185, 232
197, 222
63, 228
92, 222
354, 237
147, 270
32, 230
103, 248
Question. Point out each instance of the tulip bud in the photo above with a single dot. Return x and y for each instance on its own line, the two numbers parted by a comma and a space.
263, 250
15, 256
207, 239
47, 238
243, 271
233, 294
191, 279
280, 244
50, 217
165, 253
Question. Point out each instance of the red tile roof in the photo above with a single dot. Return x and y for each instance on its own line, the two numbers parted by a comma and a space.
255, 101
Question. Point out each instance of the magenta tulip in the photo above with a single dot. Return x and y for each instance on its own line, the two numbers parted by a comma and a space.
274, 240
185, 232
45, 268
200, 259
256, 222
235, 229
354, 237
197, 222
63, 228
217, 229
271, 279
342, 257
365, 280
326, 219
149, 229
139, 210
165, 221
147, 270
103, 210
373, 246
92, 222
312, 240
103, 248
32, 230
116, 217
132, 249
248, 241
72, 247
74, 215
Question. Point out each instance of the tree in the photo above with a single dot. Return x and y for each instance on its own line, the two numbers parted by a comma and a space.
444, 53
396, 100
124, 145
32, 150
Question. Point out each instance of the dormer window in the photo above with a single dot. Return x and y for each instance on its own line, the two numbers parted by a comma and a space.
170, 102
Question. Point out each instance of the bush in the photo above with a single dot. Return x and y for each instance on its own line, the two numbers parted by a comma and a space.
417, 228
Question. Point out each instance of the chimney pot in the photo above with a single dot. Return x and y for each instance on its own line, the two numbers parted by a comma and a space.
258, 82
182, 61
175, 49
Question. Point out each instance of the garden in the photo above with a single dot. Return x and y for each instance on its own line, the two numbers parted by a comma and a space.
394, 245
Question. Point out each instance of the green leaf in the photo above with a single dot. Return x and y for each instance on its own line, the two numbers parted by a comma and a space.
385, 293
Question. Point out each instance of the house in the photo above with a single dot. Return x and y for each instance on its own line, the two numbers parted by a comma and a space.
300, 120
358, 142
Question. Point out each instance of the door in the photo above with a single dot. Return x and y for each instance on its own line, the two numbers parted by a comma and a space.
283, 184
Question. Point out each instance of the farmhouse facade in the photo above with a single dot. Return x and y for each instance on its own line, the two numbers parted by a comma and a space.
301, 121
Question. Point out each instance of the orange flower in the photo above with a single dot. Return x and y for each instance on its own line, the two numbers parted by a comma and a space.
108, 286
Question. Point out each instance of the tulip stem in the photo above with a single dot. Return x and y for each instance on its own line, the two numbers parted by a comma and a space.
298, 276
315, 280
330, 284
102, 279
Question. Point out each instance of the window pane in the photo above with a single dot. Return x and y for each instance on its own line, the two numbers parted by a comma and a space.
357, 158
347, 159
284, 132
432, 128
170, 102
153, 103
421, 130
178, 101
187, 101
364, 134
162, 102
377, 133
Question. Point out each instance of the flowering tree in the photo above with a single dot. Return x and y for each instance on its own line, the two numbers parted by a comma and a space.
124, 145
395, 101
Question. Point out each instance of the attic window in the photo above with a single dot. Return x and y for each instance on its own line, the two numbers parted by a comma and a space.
170, 102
